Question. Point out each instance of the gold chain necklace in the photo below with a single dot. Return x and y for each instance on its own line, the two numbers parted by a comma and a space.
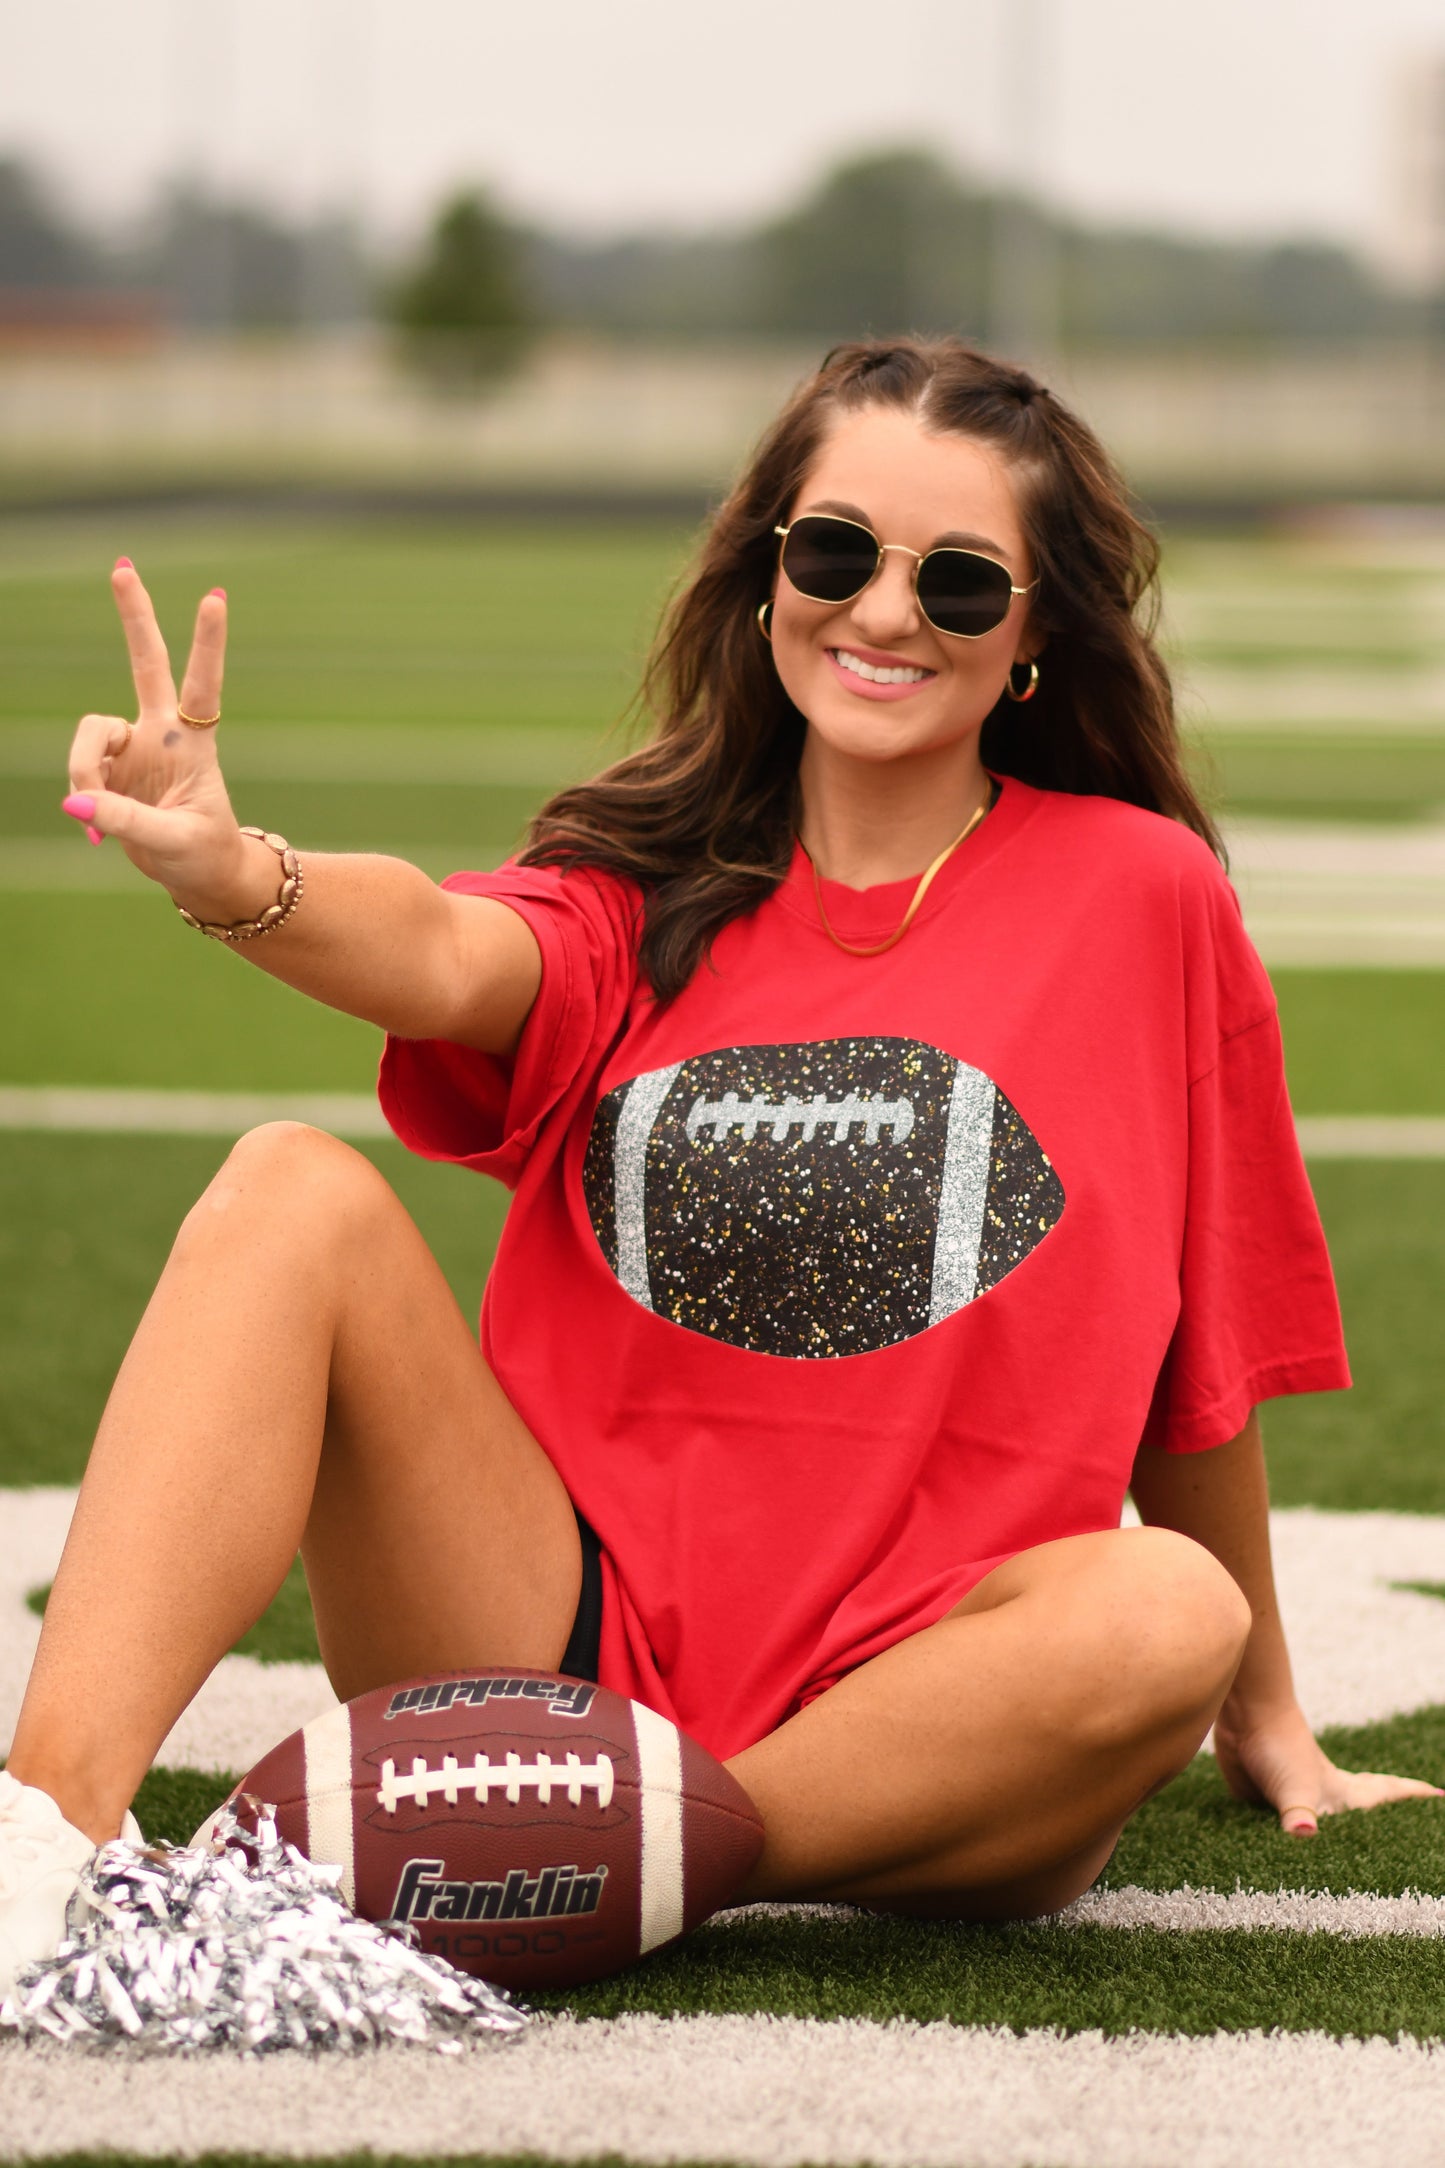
877, 948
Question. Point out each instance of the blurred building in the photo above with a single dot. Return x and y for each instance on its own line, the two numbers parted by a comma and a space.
1412, 246
95, 321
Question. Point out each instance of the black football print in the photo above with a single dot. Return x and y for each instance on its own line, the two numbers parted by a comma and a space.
815, 1200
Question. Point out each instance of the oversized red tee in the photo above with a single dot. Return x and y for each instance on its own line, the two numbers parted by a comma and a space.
835, 1281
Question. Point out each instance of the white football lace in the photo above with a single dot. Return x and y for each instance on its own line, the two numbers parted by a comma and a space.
481, 1777
778, 1116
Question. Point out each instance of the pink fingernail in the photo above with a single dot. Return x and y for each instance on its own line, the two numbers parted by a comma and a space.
79, 805
1304, 1829
93, 835
123, 564
219, 591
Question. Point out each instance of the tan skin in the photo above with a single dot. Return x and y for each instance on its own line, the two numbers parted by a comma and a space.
303, 1376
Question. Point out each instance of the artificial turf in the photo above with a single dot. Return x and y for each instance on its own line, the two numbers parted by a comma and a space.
1113, 1980
1193, 1833
528, 636
1078, 1979
543, 626
85, 1224
472, 624
1081, 1979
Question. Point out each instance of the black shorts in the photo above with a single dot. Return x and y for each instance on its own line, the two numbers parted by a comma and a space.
583, 1654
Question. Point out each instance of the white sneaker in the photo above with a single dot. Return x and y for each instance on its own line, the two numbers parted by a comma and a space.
41, 1856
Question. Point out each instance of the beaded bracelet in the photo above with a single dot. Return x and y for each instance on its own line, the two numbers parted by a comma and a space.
276, 914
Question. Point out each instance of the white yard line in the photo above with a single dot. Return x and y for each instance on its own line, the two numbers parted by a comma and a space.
1314, 892
1307, 1912
119, 1110
67, 866
1331, 698
1184, 1911
364, 752
240, 1712
1371, 1136
1330, 892
765, 2091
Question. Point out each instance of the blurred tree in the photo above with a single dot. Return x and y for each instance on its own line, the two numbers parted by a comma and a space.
693, 285
462, 308
232, 264
37, 247
889, 242
1120, 288
897, 240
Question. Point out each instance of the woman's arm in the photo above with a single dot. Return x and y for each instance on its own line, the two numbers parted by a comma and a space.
378, 938
373, 936
1267, 1752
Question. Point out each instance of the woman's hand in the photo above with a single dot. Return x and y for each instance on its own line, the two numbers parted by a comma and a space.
1277, 1762
156, 785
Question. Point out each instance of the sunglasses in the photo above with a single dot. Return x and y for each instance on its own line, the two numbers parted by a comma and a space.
960, 592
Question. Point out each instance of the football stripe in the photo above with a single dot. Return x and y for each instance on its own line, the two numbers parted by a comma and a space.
963, 1194
659, 1781
329, 1834
641, 1104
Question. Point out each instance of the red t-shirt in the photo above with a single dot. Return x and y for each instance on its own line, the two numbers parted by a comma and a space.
836, 1281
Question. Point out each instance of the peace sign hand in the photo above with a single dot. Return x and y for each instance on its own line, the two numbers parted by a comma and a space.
156, 785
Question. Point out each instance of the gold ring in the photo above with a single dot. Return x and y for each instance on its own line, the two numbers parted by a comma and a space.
198, 722
125, 747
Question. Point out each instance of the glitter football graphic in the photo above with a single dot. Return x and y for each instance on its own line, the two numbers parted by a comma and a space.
815, 1200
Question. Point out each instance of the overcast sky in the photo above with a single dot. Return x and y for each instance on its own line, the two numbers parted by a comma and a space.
1249, 116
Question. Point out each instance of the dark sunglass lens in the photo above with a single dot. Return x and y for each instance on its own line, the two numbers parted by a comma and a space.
829, 559
963, 593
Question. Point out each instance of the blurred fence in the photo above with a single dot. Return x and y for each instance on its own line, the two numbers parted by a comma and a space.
585, 414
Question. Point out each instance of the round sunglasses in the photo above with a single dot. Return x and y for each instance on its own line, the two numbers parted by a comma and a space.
960, 592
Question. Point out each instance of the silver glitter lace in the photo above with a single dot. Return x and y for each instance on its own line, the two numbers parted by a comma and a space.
248, 1948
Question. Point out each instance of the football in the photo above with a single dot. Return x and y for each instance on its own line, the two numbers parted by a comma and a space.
532, 1829
815, 1200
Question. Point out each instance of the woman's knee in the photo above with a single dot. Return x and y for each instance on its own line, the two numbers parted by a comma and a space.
295, 1183
1170, 1628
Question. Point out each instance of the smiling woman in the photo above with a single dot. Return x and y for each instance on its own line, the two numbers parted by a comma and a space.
990, 559
903, 1170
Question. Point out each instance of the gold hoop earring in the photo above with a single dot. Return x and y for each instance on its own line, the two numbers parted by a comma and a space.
764, 611
1029, 690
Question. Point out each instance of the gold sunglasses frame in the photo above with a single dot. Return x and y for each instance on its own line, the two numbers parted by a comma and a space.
920, 558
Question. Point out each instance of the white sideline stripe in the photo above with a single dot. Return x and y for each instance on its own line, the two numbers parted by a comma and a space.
329, 1830
767, 2092
659, 1781
122, 1110
1365, 1644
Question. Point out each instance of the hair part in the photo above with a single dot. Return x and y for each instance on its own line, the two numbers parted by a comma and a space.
703, 816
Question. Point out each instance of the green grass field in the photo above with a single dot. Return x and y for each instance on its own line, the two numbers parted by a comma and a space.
419, 689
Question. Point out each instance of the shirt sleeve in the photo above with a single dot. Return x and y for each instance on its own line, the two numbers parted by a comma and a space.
479, 1110
1258, 1313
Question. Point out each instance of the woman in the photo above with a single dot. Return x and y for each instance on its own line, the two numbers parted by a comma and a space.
903, 1167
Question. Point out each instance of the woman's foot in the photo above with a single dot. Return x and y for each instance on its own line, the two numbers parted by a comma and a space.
41, 1857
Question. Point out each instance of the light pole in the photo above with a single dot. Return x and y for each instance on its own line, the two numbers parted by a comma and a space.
1023, 266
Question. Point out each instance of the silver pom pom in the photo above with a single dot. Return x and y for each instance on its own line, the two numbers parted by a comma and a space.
242, 1944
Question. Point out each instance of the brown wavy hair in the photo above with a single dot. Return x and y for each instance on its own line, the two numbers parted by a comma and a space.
703, 816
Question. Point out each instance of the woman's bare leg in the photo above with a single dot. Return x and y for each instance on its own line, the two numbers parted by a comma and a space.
301, 1377
984, 1767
